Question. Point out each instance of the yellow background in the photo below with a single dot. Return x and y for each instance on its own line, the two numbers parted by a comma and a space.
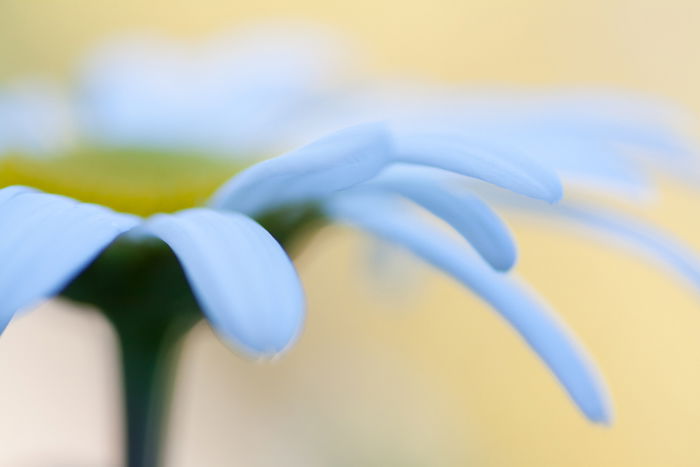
430, 378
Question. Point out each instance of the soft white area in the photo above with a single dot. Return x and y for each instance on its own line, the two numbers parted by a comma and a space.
58, 390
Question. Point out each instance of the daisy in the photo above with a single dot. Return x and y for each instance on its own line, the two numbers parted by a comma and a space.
135, 197
239, 274
606, 147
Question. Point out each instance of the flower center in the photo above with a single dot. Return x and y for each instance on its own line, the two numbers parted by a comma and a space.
136, 181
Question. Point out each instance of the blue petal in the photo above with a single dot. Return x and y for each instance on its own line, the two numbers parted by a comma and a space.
241, 276
586, 161
458, 153
45, 242
465, 212
330, 164
625, 118
11, 191
543, 332
35, 118
236, 94
634, 232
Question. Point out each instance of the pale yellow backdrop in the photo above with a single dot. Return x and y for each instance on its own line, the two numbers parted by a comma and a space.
428, 379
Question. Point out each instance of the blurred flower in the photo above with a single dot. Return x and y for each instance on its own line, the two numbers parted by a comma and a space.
241, 276
234, 94
157, 130
34, 117
607, 147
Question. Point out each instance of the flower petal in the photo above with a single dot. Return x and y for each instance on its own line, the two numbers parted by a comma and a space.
583, 160
542, 331
633, 119
36, 119
458, 153
465, 212
241, 276
234, 94
11, 191
46, 241
633, 232
338, 161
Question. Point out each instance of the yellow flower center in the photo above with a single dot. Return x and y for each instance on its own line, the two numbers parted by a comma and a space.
136, 181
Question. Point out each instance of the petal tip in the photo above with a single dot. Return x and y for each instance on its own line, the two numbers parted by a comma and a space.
603, 418
505, 264
599, 411
553, 192
264, 350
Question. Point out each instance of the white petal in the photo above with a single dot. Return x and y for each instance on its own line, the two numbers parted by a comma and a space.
338, 161
241, 276
45, 241
543, 332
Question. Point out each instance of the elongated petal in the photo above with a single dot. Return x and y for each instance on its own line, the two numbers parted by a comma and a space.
338, 161
627, 118
543, 332
456, 153
635, 233
45, 241
582, 160
241, 276
465, 212
612, 225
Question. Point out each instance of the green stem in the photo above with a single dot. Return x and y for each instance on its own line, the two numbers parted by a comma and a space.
149, 358
139, 286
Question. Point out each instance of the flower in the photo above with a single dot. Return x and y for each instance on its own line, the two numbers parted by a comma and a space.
243, 93
155, 142
602, 144
74, 233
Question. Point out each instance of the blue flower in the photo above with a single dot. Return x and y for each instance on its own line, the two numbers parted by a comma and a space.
604, 146
242, 278
233, 249
336, 163
245, 93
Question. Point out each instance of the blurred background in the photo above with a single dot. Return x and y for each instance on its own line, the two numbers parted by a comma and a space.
433, 378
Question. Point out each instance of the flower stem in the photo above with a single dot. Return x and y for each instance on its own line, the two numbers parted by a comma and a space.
149, 357
139, 286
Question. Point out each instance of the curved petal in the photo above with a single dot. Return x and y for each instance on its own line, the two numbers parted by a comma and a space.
629, 232
458, 153
542, 331
10, 192
582, 160
627, 118
241, 276
338, 161
634, 232
465, 212
46, 240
